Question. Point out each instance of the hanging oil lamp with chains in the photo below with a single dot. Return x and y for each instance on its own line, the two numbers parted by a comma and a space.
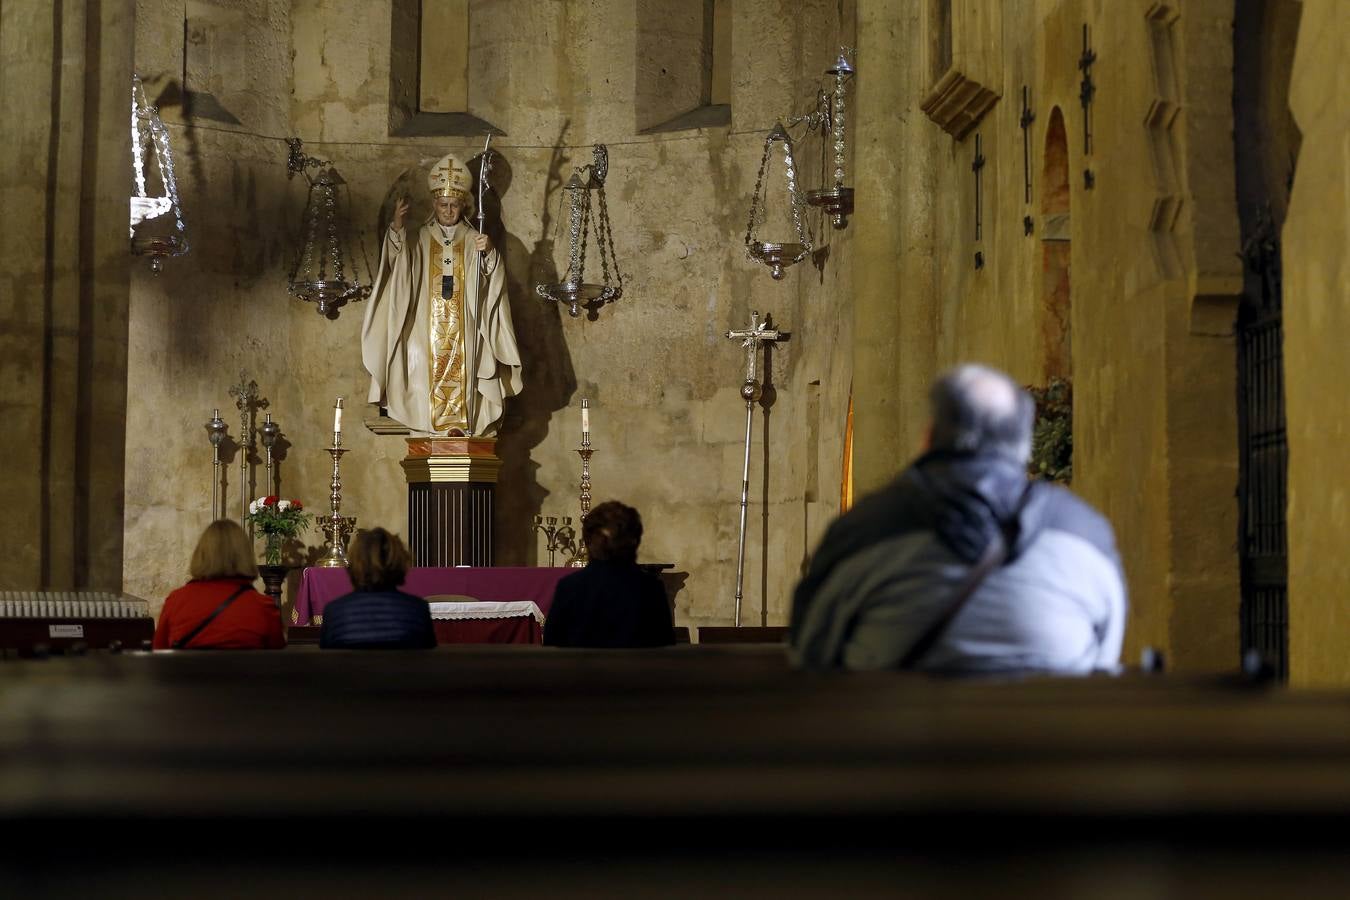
574, 291
148, 129
325, 271
777, 255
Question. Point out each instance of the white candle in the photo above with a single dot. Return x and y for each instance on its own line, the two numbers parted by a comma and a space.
337, 417
215, 413
585, 417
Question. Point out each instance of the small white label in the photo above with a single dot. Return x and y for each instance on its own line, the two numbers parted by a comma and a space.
65, 631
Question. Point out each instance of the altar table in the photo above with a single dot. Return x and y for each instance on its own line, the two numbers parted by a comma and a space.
320, 586
487, 622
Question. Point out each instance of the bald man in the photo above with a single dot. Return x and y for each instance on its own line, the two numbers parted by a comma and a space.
962, 564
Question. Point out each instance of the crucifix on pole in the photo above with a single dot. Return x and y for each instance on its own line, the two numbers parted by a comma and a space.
751, 338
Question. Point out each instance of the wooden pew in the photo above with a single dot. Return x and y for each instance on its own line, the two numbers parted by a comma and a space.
493, 762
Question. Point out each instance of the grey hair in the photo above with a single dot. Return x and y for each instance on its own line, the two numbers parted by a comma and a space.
980, 409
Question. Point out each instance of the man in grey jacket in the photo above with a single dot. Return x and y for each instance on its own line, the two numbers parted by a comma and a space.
887, 572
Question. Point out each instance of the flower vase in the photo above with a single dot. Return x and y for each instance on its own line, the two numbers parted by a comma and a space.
272, 549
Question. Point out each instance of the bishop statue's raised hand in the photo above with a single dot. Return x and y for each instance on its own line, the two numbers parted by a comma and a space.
400, 211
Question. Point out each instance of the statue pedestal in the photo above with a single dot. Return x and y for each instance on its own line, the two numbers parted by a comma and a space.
450, 500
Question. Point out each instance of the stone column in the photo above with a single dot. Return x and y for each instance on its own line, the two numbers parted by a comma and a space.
451, 486
891, 244
65, 178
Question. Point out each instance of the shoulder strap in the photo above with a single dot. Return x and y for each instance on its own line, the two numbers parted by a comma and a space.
995, 554
991, 559
187, 639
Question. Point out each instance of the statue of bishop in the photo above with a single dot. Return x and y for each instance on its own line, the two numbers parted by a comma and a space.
437, 338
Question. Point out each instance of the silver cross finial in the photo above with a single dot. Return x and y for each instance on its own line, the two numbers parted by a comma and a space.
751, 337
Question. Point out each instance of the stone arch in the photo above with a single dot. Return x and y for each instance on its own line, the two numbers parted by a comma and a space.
1056, 301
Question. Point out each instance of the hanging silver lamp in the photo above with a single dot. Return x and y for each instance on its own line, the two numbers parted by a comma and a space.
324, 272
574, 291
777, 255
150, 142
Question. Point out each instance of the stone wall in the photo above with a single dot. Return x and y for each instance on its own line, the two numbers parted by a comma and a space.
1151, 236
1316, 317
63, 289
667, 420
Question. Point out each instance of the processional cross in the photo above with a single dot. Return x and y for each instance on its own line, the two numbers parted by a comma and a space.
751, 337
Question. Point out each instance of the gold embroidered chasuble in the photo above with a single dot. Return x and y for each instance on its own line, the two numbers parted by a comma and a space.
448, 389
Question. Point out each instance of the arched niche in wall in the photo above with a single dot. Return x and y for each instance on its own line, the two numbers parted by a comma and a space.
1056, 302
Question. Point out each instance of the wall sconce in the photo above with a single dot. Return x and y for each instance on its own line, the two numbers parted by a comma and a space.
319, 275
573, 291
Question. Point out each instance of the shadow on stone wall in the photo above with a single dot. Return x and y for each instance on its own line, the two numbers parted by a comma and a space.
549, 380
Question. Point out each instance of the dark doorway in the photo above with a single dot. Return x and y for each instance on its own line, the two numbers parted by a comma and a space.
1266, 146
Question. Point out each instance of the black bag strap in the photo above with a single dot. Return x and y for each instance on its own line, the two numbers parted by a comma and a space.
187, 639
995, 554
991, 559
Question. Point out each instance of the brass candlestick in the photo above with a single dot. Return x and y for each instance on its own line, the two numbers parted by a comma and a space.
582, 557
336, 526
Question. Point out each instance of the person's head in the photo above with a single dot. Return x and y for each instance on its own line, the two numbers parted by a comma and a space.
612, 532
450, 208
377, 560
977, 409
223, 551
451, 185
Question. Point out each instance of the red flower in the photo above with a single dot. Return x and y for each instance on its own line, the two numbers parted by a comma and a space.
296, 504
270, 501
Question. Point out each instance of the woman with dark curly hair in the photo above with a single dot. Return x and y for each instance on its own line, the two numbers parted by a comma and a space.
377, 615
611, 602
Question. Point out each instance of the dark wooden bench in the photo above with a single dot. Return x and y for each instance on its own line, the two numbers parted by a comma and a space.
745, 634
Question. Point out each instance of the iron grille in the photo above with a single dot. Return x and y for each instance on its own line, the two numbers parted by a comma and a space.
1264, 456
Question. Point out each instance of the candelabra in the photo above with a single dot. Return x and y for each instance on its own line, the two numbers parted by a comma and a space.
557, 537
336, 526
215, 433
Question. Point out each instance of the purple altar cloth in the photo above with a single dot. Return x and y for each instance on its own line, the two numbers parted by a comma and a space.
318, 587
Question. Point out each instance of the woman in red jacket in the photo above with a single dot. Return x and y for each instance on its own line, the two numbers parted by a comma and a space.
218, 608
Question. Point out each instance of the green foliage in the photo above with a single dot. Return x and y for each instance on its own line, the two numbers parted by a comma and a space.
1052, 435
275, 520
